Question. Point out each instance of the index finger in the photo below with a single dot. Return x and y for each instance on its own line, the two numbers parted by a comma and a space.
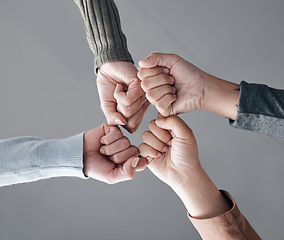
127, 98
160, 133
111, 135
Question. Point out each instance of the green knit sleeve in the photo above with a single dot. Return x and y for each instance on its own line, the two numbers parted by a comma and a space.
103, 29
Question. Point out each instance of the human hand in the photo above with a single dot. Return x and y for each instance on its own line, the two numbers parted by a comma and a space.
172, 153
122, 99
108, 155
175, 86
171, 150
172, 84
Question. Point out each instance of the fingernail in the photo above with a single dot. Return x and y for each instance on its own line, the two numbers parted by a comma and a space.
102, 151
172, 80
117, 121
159, 154
170, 143
165, 148
102, 141
166, 70
135, 162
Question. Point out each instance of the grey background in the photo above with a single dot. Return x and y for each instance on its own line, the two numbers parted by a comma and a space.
48, 89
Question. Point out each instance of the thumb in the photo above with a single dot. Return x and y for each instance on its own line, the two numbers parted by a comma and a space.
159, 59
177, 126
112, 115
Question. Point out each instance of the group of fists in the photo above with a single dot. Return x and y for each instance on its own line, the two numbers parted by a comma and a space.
173, 86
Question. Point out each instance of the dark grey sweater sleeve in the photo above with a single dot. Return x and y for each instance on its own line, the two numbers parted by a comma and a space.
261, 109
103, 29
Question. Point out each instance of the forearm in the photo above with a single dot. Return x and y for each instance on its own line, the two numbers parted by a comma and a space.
231, 224
103, 29
214, 213
27, 159
221, 97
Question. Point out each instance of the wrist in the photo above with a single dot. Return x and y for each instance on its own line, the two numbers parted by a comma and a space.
200, 195
221, 97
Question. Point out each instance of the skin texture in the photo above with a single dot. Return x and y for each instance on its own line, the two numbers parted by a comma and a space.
175, 86
172, 153
108, 155
122, 99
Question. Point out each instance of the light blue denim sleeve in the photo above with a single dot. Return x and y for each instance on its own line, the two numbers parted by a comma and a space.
28, 159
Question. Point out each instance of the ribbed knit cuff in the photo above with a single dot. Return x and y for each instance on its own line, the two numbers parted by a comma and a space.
104, 33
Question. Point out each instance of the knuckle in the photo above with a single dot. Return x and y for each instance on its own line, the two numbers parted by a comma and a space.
117, 132
126, 142
115, 159
164, 112
145, 84
170, 89
146, 135
149, 96
134, 150
141, 74
160, 106
142, 151
105, 150
152, 124
141, 148
131, 123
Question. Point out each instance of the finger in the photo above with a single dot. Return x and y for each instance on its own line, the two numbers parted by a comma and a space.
160, 133
134, 121
156, 81
128, 97
129, 111
147, 72
177, 125
122, 173
155, 94
115, 147
150, 139
122, 156
159, 115
159, 59
148, 151
112, 134
113, 117
164, 104
142, 164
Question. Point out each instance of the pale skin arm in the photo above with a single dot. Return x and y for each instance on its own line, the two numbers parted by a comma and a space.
171, 150
175, 86
108, 155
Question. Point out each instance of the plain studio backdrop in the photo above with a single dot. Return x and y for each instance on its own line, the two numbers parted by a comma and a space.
48, 89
